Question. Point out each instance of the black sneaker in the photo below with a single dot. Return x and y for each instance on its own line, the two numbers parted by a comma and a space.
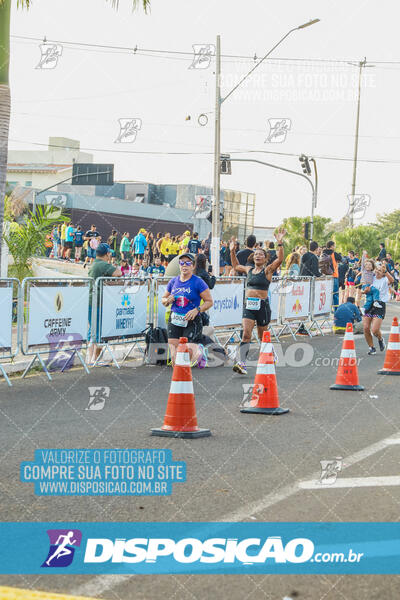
381, 344
371, 350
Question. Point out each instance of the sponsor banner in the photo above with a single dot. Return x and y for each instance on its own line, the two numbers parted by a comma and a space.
228, 304
124, 310
273, 297
297, 300
199, 548
323, 296
6, 298
161, 309
56, 311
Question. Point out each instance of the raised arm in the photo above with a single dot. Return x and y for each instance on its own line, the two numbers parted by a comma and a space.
280, 254
234, 260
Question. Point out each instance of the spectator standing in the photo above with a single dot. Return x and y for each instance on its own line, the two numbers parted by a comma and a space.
185, 241
309, 262
139, 245
293, 267
173, 248
194, 244
163, 247
112, 241
100, 268
78, 239
382, 252
55, 236
125, 246
91, 237
336, 259
243, 255
69, 240
62, 238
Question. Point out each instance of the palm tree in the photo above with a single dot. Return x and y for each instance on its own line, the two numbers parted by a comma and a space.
5, 98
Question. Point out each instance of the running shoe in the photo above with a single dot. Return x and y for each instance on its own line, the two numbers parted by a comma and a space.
240, 367
202, 361
381, 344
371, 350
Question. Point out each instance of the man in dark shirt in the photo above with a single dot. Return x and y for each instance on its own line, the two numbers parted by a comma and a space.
309, 262
382, 252
194, 245
244, 254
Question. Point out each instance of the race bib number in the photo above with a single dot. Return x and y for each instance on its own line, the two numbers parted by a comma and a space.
253, 303
178, 320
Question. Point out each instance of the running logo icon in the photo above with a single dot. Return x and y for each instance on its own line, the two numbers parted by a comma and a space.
97, 397
63, 543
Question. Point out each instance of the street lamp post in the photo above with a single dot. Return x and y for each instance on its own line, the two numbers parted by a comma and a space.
216, 209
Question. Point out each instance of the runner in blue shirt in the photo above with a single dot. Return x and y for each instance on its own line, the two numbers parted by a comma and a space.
69, 239
184, 294
78, 237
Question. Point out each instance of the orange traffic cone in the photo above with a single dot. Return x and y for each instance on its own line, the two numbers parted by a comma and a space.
392, 357
347, 373
180, 417
265, 397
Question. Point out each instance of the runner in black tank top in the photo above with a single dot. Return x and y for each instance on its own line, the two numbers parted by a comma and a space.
256, 305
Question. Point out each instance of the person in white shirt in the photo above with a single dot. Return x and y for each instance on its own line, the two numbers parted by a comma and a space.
372, 320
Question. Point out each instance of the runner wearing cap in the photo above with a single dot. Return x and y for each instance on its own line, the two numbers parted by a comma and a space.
184, 294
256, 308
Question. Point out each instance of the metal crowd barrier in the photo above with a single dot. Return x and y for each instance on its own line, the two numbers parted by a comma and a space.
56, 317
53, 313
10, 298
122, 309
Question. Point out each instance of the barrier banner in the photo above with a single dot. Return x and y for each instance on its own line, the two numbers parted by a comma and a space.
124, 311
323, 296
297, 300
273, 297
6, 298
161, 309
228, 304
56, 311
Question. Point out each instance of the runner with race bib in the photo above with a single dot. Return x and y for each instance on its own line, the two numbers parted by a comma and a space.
184, 293
256, 305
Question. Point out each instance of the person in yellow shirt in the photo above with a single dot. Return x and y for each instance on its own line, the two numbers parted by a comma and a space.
163, 247
185, 241
173, 248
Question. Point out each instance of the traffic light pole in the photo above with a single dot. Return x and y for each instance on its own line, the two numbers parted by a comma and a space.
216, 208
215, 241
313, 187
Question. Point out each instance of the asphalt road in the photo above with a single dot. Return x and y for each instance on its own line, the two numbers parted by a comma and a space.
252, 468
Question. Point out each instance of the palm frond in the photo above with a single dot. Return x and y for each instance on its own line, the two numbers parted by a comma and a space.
24, 3
135, 3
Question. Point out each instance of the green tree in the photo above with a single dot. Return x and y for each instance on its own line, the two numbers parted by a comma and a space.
358, 239
27, 240
294, 228
387, 225
5, 98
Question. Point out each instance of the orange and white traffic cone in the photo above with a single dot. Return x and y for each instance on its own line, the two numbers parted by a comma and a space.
180, 417
392, 357
264, 398
347, 373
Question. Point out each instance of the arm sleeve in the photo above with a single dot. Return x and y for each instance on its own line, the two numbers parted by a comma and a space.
315, 271
201, 285
170, 284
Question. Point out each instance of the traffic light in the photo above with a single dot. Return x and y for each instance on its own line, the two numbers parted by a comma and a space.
305, 165
226, 164
307, 230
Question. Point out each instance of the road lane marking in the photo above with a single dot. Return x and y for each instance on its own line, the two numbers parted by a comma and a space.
351, 482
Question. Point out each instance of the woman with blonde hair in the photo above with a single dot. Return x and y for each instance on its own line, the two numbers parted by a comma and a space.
293, 265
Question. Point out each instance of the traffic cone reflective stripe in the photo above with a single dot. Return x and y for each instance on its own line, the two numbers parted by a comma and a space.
347, 373
391, 365
264, 398
180, 418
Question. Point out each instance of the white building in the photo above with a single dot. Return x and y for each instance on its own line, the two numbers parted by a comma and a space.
42, 168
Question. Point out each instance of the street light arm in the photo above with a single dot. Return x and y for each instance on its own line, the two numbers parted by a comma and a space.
258, 64
260, 162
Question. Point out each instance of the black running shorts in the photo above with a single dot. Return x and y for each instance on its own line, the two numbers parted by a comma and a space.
262, 316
